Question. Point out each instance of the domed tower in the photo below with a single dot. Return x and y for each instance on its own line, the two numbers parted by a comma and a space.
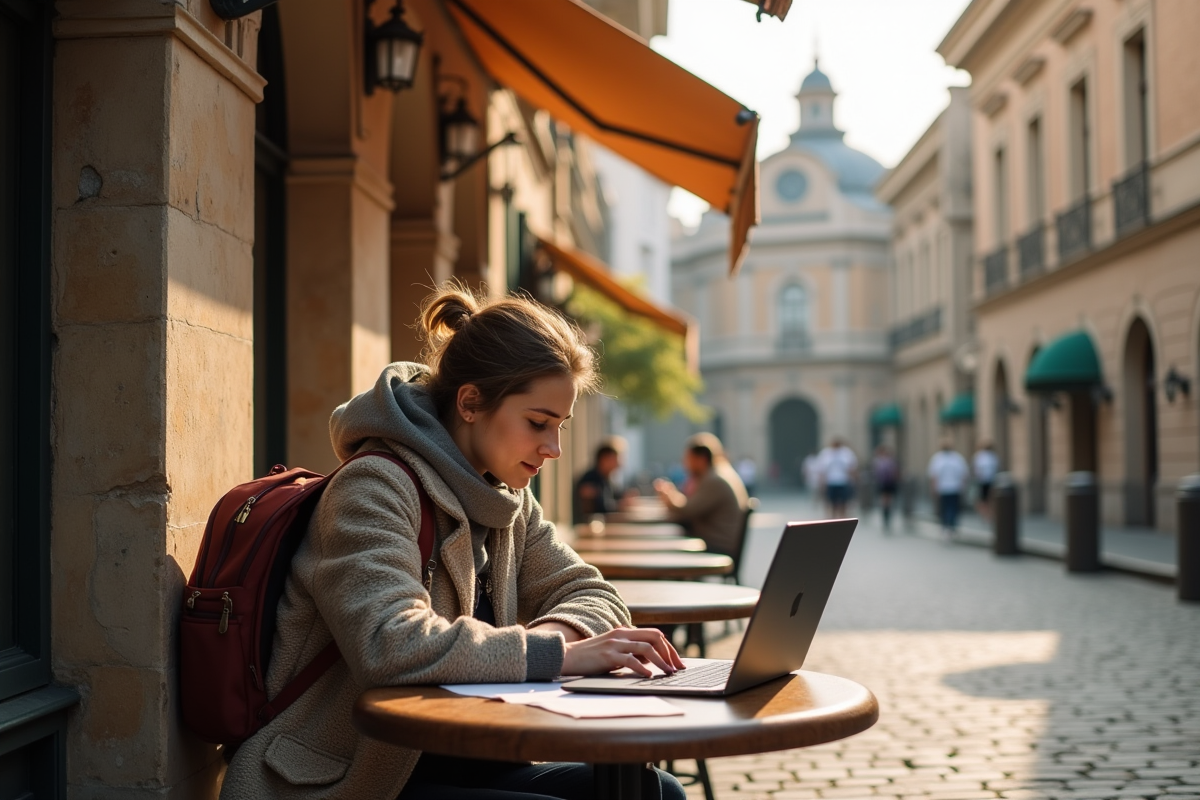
816, 98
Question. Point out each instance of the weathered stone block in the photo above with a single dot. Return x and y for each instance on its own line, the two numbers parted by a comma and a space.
211, 146
210, 276
210, 427
109, 264
119, 731
75, 637
109, 104
128, 582
109, 407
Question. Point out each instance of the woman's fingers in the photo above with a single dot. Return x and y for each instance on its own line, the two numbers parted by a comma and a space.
645, 651
637, 666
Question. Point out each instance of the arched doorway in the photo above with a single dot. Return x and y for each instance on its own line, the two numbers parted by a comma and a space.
1141, 426
1000, 415
795, 433
1037, 411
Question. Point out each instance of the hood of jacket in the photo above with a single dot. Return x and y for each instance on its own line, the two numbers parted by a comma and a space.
399, 409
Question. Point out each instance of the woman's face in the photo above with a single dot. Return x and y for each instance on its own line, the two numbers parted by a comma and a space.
514, 440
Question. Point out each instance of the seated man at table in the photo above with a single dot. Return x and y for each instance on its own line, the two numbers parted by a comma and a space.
596, 491
715, 499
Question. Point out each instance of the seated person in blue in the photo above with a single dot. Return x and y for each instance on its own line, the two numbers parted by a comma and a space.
595, 491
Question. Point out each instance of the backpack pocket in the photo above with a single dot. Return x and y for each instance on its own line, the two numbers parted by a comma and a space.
219, 695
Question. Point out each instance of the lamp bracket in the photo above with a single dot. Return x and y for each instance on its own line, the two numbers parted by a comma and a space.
509, 138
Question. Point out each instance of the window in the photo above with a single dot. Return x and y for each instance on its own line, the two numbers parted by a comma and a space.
1000, 195
1079, 143
1136, 115
793, 312
1035, 179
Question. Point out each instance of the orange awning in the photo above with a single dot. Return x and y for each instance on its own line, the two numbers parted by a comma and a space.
588, 270
602, 80
776, 8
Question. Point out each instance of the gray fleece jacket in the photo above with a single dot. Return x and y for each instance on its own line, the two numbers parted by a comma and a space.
357, 579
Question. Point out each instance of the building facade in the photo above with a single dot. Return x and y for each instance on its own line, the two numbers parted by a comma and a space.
1086, 171
794, 348
934, 351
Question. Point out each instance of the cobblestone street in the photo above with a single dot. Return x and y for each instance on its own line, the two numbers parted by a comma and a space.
995, 678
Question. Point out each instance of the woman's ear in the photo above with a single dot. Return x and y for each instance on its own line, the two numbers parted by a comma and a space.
467, 402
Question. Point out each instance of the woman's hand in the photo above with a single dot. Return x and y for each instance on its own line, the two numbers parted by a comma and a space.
622, 647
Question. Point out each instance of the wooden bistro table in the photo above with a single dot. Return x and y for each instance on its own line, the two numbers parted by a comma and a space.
629, 544
797, 710
613, 530
658, 566
685, 602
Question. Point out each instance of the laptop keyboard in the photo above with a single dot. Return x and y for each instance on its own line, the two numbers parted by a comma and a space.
702, 677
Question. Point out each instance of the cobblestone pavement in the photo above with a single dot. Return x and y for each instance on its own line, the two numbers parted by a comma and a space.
996, 678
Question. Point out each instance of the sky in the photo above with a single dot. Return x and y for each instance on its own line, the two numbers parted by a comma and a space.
879, 54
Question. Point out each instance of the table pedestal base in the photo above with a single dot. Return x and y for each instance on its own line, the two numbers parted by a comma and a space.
626, 782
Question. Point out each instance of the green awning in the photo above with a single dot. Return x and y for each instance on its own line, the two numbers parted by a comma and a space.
960, 409
1068, 364
887, 416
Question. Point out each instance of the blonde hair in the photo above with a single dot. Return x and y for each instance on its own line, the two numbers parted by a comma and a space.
500, 346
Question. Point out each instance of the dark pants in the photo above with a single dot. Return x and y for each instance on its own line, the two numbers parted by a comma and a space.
447, 778
948, 504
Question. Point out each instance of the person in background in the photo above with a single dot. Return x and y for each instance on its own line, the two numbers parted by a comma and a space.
886, 474
596, 491
948, 474
985, 465
713, 508
747, 470
837, 468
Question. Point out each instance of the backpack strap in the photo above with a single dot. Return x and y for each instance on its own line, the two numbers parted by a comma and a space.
331, 654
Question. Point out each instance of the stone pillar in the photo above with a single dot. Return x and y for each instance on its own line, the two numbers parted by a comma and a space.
339, 324
421, 256
153, 204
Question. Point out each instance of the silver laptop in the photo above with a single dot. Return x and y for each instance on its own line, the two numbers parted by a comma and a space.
780, 631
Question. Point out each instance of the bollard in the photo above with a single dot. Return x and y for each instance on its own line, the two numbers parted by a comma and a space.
1005, 515
1188, 534
1083, 522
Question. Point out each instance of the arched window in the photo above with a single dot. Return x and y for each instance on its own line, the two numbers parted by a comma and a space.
793, 314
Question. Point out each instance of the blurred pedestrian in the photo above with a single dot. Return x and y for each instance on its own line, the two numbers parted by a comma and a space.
596, 491
885, 473
747, 470
948, 475
985, 465
713, 509
837, 468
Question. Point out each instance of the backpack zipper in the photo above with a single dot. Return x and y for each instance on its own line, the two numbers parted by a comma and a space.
238, 519
228, 603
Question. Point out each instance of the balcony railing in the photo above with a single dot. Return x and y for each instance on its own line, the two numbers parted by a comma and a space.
1131, 201
995, 269
794, 341
1031, 252
917, 328
1075, 230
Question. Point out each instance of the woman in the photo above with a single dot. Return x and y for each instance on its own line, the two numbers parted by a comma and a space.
508, 601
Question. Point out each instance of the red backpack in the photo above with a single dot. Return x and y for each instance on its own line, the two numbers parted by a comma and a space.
230, 602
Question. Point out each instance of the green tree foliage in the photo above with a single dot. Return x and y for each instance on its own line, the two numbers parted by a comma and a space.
643, 366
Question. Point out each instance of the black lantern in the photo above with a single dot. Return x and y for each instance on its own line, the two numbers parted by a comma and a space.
392, 50
460, 130
1175, 384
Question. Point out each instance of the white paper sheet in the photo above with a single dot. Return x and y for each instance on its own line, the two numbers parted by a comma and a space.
551, 697
494, 690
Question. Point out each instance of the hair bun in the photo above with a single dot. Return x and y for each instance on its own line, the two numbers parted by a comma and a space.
448, 311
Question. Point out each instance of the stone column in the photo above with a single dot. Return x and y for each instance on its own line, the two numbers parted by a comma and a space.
421, 256
339, 325
153, 204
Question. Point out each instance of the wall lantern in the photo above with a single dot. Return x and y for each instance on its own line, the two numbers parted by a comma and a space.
1175, 384
392, 50
460, 132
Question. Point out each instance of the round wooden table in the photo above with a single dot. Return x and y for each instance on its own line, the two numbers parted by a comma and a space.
658, 566
682, 602
612, 530
629, 544
797, 710
638, 516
